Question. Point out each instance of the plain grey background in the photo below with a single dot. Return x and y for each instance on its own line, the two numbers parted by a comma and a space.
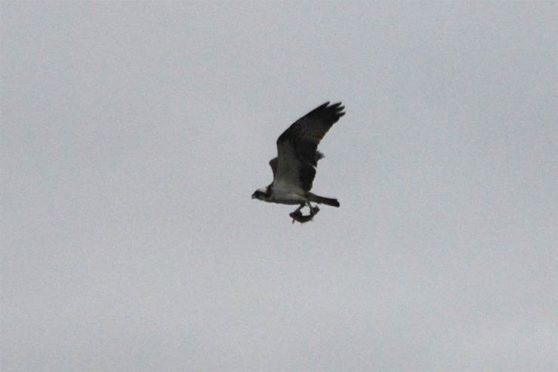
133, 134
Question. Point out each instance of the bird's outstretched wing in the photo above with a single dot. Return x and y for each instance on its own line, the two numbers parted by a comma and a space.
297, 147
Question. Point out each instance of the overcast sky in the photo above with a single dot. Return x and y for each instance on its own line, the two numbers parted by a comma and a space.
134, 133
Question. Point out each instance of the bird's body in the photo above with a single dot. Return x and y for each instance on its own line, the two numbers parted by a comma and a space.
294, 168
285, 195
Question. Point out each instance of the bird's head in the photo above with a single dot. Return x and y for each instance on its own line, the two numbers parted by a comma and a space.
262, 194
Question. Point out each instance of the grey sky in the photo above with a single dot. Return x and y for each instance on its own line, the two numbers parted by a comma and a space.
134, 133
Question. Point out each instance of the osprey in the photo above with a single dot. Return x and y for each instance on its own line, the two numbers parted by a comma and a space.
294, 168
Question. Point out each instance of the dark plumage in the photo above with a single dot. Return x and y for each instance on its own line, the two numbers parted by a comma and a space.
305, 135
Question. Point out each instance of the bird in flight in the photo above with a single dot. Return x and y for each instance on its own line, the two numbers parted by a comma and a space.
294, 168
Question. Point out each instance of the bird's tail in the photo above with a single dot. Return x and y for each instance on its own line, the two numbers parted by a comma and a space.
320, 199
